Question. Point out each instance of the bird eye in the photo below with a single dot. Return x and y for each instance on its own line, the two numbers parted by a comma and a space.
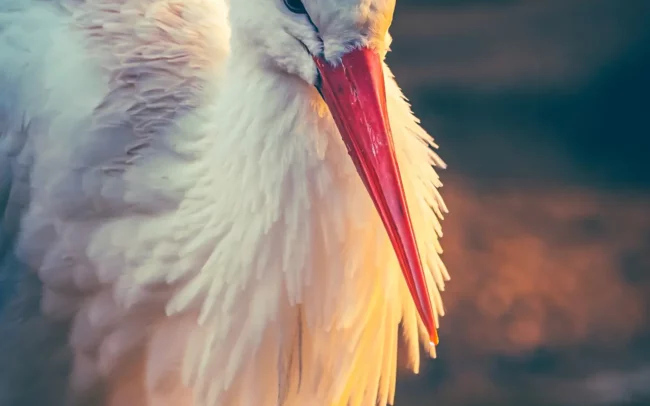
295, 6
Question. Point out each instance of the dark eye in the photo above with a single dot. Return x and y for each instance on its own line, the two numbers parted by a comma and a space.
295, 6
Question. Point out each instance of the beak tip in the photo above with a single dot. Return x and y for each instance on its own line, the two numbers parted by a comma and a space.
433, 337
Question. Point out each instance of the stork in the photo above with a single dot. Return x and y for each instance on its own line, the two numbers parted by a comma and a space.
211, 203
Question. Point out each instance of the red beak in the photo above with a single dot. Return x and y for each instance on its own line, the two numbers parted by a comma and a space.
355, 92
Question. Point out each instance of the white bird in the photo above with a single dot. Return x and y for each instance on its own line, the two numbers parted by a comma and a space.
184, 215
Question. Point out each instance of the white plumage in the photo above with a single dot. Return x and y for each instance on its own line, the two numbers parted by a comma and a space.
198, 232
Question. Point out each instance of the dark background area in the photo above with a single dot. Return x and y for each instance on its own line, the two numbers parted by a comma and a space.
540, 110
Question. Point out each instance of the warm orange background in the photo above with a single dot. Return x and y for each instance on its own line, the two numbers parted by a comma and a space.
540, 109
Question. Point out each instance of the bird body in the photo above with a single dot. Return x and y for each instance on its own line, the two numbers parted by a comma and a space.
184, 218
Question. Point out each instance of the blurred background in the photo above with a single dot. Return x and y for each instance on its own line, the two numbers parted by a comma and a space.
540, 108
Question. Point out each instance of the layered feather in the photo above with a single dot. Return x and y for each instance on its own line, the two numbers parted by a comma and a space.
199, 234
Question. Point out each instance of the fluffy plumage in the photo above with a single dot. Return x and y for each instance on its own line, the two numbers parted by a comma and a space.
181, 223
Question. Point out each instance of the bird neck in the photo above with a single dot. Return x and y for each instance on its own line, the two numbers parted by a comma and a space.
267, 102
279, 173
290, 253
273, 125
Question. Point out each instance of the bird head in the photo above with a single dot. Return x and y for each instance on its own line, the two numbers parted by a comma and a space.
337, 47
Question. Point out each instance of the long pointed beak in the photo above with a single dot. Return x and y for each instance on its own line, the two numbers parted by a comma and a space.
355, 92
